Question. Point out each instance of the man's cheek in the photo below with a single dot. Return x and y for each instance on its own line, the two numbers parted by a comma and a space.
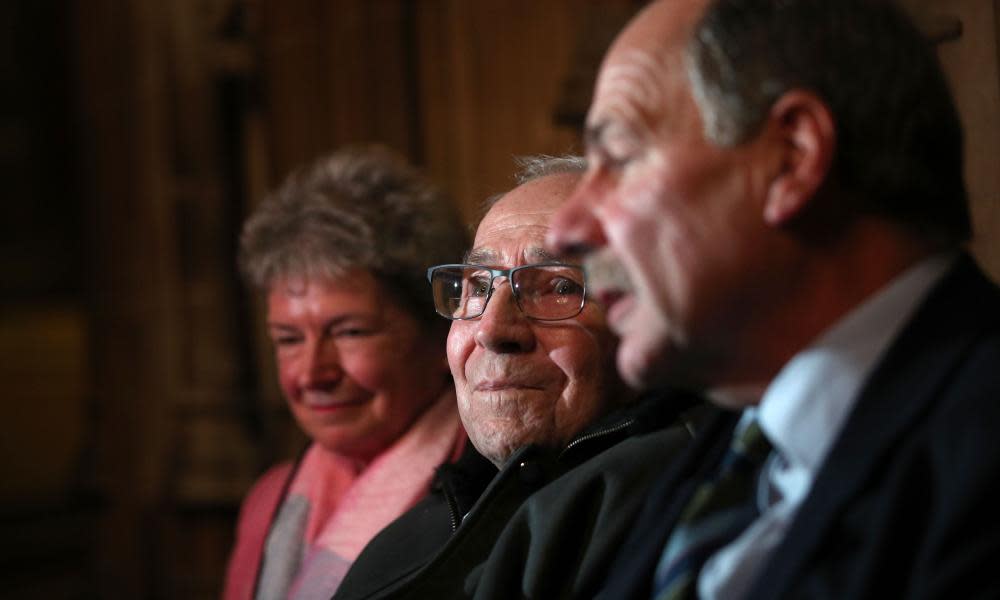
459, 349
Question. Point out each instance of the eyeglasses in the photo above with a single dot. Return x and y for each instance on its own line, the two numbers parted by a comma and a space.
544, 291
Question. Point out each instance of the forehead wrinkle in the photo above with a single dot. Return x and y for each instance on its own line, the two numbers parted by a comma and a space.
631, 90
637, 74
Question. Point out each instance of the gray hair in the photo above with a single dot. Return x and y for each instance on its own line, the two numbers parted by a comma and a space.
358, 208
536, 166
542, 165
899, 139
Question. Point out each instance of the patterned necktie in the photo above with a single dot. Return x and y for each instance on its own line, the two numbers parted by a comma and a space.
720, 509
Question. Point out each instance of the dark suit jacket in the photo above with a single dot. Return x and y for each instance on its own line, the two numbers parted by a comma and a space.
545, 526
907, 503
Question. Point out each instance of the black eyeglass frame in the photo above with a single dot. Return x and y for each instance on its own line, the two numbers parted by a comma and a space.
509, 273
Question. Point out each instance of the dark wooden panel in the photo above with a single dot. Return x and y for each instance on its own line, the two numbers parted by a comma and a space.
490, 75
334, 73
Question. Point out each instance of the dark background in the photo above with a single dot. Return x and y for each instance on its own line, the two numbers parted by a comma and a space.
139, 401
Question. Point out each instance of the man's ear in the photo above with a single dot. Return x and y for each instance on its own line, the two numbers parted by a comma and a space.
804, 127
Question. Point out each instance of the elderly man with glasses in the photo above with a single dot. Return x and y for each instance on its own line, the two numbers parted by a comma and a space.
564, 449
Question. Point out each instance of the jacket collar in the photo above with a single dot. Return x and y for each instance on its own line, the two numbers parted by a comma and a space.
901, 390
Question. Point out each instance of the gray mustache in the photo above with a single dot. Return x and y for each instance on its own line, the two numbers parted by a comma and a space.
604, 271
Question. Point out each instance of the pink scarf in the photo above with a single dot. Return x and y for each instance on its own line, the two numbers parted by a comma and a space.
332, 511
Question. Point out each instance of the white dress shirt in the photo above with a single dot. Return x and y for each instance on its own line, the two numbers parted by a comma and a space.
802, 412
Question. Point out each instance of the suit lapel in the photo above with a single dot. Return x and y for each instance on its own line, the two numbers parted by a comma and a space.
632, 573
914, 372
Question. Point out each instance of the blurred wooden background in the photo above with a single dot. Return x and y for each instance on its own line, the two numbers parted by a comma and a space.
135, 136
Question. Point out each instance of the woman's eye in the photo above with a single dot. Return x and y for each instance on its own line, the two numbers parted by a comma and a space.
352, 332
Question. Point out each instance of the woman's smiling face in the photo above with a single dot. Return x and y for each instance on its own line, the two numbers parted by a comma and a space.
355, 368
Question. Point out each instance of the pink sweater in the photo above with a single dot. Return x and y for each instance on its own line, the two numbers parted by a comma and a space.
346, 507
256, 514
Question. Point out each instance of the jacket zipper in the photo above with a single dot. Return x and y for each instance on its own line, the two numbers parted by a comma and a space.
456, 519
596, 434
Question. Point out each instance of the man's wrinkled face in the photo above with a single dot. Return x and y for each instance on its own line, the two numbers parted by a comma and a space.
668, 218
521, 381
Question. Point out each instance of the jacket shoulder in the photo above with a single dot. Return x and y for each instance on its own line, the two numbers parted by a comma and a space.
561, 541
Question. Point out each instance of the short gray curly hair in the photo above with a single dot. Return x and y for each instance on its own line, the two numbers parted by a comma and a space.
358, 208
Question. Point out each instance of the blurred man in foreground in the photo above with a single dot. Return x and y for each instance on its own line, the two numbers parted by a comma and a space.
777, 186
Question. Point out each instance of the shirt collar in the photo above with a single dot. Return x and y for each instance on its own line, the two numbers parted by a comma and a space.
805, 406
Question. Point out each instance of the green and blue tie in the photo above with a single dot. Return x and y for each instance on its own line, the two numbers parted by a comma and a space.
719, 510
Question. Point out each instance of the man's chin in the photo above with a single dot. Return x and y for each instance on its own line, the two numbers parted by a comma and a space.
637, 365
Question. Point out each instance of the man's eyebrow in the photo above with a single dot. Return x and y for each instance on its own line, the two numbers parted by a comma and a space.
480, 256
539, 254
486, 256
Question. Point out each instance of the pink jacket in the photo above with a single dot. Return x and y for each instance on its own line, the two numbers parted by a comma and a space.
255, 518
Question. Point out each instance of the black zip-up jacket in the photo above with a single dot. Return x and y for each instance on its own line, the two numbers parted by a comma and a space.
546, 525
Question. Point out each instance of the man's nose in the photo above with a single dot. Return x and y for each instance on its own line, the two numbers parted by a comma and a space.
574, 229
503, 328
320, 364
